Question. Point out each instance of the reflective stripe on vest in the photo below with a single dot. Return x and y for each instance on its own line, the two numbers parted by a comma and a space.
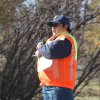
75, 44
74, 55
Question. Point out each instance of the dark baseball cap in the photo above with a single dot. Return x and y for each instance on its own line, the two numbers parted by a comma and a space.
61, 19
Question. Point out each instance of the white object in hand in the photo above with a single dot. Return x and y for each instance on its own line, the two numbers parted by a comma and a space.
33, 55
44, 64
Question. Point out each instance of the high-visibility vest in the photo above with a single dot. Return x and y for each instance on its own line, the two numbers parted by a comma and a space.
60, 72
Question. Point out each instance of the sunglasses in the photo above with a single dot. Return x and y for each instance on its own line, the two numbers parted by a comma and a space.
55, 25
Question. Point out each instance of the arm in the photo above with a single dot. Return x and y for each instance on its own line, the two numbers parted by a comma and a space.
56, 49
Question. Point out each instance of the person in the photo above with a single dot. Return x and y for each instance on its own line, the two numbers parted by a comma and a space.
57, 61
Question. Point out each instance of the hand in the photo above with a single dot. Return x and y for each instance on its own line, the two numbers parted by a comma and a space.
39, 45
37, 54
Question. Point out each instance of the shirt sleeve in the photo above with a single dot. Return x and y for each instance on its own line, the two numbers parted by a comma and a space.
56, 49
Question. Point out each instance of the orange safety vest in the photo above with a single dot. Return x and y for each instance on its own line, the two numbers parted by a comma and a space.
62, 72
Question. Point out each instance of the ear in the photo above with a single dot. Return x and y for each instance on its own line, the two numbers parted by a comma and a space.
66, 27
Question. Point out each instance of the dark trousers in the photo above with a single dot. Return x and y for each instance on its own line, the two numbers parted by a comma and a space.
57, 93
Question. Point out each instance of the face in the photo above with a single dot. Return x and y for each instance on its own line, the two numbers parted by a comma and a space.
58, 29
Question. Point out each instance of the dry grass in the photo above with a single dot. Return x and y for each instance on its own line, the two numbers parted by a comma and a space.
90, 92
